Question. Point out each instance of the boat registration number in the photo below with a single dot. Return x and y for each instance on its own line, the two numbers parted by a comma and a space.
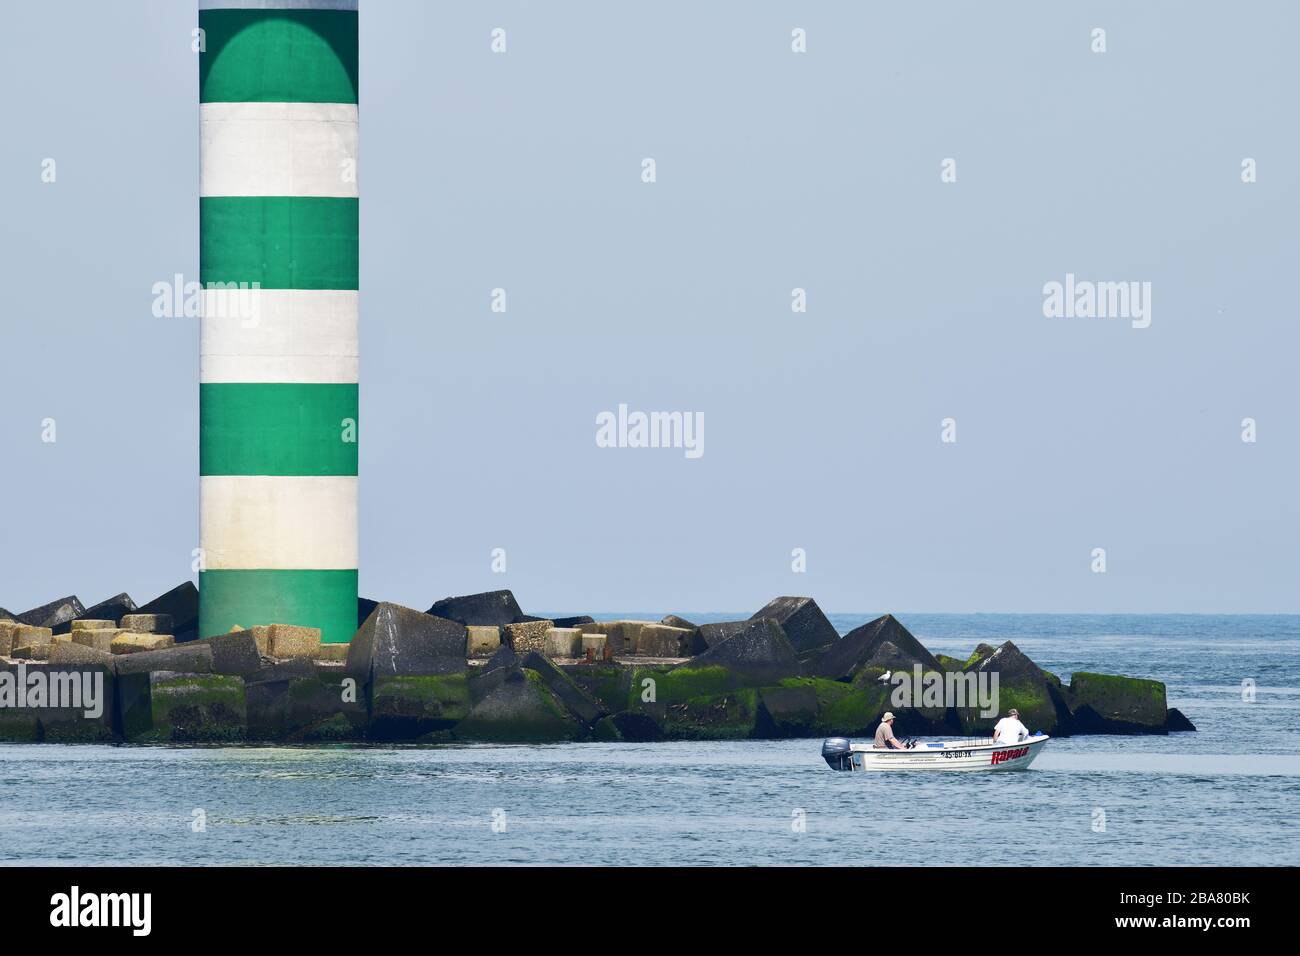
949, 754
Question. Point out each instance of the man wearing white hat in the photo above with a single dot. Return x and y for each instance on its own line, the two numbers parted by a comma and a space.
885, 738
1009, 730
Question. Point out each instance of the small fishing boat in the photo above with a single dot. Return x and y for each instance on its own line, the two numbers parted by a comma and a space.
972, 754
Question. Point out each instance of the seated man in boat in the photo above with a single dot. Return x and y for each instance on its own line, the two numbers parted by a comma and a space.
1009, 730
885, 738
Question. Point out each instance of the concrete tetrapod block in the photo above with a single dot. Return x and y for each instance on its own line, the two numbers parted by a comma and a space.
622, 635
62, 703
261, 635
520, 709
1022, 684
18, 725
365, 607
290, 640
294, 701
562, 642
131, 642
491, 607
647, 638
177, 707
53, 614
191, 658
482, 640
576, 621
100, 638
785, 712
660, 640
148, 623
7, 629
527, 635
70, 652
110, 610
31, 642
409, 707
233, 653
579, 703
1111, 704
803, 622
711, 635
761, 652
182, 603
865, 647
401, 641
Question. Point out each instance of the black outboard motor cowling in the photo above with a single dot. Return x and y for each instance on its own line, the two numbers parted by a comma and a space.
835, 750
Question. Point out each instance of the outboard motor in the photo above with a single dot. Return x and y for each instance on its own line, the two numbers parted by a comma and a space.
835, 751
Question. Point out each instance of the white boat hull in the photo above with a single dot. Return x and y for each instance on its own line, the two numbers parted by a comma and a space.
949, 755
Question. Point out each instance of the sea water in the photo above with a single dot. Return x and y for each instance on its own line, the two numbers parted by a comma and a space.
1229, 794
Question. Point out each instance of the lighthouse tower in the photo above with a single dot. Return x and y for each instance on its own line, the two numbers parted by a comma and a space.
278, 261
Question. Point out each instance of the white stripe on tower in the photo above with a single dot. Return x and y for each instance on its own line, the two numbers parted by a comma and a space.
280, 522
279, 335
278, 149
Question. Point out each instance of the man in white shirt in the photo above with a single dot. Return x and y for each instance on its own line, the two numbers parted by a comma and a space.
1009, 729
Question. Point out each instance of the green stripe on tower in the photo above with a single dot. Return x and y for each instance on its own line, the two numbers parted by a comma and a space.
326, 599
279, 403
279, 242
280, 428
278, 56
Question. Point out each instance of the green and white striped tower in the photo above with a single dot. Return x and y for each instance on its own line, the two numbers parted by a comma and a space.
278, 373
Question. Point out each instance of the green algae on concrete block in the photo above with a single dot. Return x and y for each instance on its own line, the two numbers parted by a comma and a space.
1041, 708
339, 728
19, 727
846, 710
729, 716
712, 703
575, 700
170, 707
606, 731
56, 703
606, 681
521, 709
294, 707
1108, 703
1022, 684
408, 707
913, 716
675, 685
787, 712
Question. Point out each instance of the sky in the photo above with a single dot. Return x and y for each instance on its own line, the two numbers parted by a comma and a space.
775, 170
